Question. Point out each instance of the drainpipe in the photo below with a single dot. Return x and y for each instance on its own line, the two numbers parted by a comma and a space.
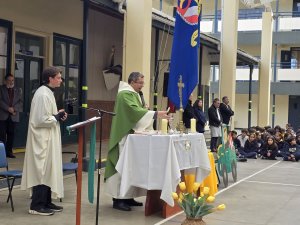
275, 65
250, 96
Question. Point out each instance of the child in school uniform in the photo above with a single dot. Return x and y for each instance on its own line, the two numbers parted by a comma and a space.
280, 143
270, 149
250, 147
260, 143
291, 150
238, 147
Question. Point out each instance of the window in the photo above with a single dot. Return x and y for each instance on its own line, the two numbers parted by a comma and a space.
27, 44
5, 48
295, 58
67, 56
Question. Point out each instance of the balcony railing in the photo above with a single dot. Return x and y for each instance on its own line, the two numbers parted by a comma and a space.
282, 74
287, 21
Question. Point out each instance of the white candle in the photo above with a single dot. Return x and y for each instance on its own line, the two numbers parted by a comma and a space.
164, 126
193, 125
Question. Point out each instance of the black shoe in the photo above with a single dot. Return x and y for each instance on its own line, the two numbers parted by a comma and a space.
41, 212
241, 159
10, 155
132, 202
54, 207
120, 204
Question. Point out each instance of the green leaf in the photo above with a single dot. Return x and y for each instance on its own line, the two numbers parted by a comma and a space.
207, 209
201, 201
198, 212
188, 210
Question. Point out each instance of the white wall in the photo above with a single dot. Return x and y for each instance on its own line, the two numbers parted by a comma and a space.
63, 16
241, 110
104, 31
43, 18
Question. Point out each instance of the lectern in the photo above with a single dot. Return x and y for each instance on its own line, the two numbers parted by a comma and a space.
80, 126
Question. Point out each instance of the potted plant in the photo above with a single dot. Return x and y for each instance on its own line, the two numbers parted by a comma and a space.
194, 206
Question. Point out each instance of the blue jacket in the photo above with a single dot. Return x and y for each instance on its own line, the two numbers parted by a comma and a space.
200, 119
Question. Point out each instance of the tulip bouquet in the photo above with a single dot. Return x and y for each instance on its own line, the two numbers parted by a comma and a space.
195, 206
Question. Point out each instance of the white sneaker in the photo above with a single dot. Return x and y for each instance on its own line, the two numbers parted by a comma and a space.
41, 212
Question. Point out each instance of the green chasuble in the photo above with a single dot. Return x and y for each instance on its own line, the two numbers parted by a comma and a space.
129, 111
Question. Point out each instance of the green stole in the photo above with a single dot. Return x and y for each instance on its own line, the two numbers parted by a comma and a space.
129, 111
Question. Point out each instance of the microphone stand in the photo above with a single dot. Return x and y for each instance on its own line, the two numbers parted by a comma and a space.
100, 113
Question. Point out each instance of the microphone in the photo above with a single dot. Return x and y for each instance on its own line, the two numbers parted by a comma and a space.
142, 98
70, 101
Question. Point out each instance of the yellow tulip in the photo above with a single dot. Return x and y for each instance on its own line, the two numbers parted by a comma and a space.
180, 200
180, 196
196, 187
201, 194
210, 199
182, 186
206, 190
175, 195
221, 207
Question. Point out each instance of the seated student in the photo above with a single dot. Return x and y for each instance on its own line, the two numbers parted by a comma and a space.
280, 143
298, 139
260, 143
270, 149
237, 145
250, 147
277, 128
251, 130
291, 151
243, 137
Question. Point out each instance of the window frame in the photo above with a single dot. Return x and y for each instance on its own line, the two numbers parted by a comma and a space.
8, 25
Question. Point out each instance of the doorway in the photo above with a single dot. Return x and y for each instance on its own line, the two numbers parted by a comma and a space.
27, 77
294, 107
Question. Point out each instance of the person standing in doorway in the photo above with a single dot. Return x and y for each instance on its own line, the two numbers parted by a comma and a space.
42, 171
11, 104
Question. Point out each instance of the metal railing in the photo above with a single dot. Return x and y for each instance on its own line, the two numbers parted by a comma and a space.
285, 21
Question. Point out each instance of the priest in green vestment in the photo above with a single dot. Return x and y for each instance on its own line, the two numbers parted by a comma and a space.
131, 115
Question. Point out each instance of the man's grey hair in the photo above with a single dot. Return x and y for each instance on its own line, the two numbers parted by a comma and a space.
134, 76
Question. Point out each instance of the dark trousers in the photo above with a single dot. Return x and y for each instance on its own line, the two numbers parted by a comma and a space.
7, 133
41, 197
249, 155
213, 143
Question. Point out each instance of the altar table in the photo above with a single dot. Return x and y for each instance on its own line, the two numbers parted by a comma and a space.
154, 162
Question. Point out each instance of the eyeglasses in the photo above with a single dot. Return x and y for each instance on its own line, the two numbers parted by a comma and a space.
140, 83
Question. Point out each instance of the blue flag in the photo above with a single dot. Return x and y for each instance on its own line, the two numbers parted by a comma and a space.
184, 57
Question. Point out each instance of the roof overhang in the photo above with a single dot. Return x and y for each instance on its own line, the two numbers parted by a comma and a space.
165, 22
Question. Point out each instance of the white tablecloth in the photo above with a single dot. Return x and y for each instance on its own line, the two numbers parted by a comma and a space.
153, 162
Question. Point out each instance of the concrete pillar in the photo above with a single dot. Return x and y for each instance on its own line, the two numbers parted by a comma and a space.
263, 116
137, 41
229, 51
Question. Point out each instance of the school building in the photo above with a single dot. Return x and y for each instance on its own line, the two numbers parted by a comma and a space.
87, 38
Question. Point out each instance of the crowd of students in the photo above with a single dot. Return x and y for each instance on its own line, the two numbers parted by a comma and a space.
268, 143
